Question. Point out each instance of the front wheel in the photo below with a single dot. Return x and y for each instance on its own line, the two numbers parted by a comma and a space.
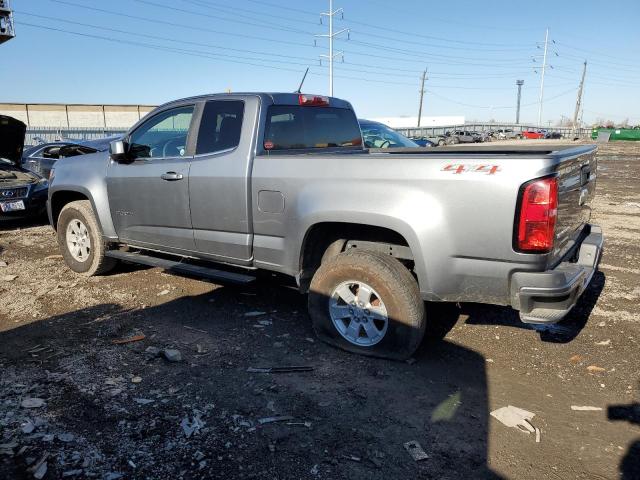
80, 240
368, 303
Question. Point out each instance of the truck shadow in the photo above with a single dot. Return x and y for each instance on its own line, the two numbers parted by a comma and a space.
361, 410
562, 332
630, 463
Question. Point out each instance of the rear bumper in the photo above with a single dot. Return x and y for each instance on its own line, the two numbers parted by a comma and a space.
547, 297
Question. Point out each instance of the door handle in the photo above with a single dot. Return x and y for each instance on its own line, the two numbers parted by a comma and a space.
171, 176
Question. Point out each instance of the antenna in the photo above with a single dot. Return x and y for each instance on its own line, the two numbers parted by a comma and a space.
303, 77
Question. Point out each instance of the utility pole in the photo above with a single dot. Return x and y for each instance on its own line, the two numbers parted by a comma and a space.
424, 77
330, 14
544, 67
579, 99
519, 83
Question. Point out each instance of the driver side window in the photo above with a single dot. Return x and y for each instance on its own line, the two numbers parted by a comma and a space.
163, 135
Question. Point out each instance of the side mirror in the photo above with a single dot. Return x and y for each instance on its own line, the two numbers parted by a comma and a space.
118, 150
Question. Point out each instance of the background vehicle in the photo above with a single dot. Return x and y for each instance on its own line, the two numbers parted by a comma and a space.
424, 142
41, 158
22, 193
533, 134
463, 136
378, 135
553, 135
480, 137
507, 134
283, 182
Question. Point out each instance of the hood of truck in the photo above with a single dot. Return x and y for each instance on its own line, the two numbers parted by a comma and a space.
12, 133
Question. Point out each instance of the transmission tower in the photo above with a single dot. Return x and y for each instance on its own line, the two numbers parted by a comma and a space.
331, 35
7, 31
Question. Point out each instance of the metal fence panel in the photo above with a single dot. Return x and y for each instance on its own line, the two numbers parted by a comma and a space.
485, 127
36, 135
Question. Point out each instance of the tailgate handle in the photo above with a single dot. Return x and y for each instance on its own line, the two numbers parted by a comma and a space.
585, 174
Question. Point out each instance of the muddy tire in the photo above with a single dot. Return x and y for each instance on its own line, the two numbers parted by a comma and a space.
80, 240
367, 303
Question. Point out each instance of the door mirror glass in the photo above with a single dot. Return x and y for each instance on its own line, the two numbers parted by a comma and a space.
118, 150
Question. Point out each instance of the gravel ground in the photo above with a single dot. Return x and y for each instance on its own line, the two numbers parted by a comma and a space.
74, 404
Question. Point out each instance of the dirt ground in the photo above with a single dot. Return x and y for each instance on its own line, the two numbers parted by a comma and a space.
75, 405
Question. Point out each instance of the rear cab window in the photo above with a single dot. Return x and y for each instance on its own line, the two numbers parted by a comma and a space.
294, 127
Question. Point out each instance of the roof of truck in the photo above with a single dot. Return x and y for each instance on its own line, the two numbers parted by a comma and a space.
278, 98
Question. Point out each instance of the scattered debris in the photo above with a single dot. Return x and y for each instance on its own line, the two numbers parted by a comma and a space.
39, 470
72, 473
27, 427
66, 437
143, 401
172, 355
135, 338
585, 408
152, 351
416, 451
191, 427
515, 417
194, 329
537, 434
314, 469
575, 359
163, 293
3, 263
265, 323
8, 278
280, 418
136, 379
279, 369
255, 314
596, 369
353, 458
32, 403
604, 343
53, 257
302, 424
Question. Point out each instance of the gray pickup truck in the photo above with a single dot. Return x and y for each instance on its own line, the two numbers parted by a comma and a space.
225, 185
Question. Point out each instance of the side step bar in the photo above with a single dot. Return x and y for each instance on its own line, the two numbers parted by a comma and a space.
180, 267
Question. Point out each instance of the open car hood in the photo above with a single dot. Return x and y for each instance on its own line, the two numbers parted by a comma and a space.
12, 134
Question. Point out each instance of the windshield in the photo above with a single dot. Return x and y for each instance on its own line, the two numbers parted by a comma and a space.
377, 135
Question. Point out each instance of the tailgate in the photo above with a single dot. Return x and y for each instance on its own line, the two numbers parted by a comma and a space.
576, 190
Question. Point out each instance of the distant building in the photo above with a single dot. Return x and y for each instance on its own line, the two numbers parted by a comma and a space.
7, 31
56, 115
406, 122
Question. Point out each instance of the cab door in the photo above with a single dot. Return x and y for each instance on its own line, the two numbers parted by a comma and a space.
220, 179
149, 194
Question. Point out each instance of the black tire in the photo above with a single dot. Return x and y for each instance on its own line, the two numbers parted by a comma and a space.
441, 143
95, 263
397, 288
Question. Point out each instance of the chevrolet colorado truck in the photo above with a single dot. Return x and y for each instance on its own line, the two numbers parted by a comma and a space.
225, 185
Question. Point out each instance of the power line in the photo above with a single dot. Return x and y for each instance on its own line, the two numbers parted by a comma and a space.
262, 24
179, 25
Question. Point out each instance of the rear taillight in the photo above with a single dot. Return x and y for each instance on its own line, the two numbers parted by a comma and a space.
538, 213
313, 100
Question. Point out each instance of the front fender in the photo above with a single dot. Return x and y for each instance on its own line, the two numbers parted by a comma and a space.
85, 175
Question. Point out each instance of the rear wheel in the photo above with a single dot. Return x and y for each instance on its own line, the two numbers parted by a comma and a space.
80, 240
368, 303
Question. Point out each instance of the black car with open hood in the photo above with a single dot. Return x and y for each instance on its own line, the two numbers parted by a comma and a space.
22, 193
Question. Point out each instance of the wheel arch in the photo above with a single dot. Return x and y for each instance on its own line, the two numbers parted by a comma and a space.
322, 235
